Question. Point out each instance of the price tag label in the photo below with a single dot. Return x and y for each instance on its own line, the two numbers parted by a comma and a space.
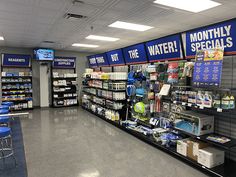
189, 104
219, 109
183, 103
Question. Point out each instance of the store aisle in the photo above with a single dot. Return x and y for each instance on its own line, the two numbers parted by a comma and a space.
71, 142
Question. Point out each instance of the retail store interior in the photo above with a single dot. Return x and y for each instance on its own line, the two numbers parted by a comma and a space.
117, 88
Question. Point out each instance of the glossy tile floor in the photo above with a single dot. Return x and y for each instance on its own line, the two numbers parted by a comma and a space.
70, 142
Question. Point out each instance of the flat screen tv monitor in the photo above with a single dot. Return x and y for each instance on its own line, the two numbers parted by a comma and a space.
44, 54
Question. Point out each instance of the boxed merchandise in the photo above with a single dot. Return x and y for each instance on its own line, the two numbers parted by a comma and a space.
21, 74
194, 147
194, 123
182, 147
3, 73
88, 70
210, 157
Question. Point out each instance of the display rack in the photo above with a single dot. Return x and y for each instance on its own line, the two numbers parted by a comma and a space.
16, 81
64, 82
107, 94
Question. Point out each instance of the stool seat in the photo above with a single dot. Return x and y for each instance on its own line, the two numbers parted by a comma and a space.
7, 103
4, 131
4, 119
4, 107
4, 111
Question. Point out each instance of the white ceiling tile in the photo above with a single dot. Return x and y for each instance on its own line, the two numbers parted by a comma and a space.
29, 22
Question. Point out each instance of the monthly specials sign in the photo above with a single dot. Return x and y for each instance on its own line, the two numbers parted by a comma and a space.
220, 35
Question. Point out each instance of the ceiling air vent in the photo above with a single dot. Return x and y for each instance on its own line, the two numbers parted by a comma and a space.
49, 42
74, 16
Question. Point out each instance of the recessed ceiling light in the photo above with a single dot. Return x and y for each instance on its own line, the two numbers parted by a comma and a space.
130, 26
192, 6
1, 38
102, 38
84, 45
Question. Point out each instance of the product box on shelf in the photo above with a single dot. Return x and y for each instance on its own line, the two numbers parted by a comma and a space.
194, 147
88, 70
182, 147
211, 157
194, 123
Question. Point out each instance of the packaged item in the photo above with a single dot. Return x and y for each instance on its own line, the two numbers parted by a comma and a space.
151, 95
166, 107
211, 157
194, 123
216, 101
152, 106
218, 139
208, 101
232, 102
151, 68
153, 76
226, 102
182, 147
173, 78
200, 98
173, 67
193, 148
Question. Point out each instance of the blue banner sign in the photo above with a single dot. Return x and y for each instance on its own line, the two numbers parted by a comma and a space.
135, 54
214, 36
115, 57
92, 61
64, 62
16, 60
102, 60
166, 48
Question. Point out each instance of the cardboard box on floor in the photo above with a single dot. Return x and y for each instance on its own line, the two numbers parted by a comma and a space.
193, 148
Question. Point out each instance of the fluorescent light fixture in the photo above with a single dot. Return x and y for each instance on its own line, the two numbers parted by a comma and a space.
130, 26
1, 38
189, 5
84, 45
102, 38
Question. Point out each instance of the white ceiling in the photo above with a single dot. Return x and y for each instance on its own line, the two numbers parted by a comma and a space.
27, 23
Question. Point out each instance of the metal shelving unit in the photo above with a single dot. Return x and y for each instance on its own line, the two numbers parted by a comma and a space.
64, 93
16, 85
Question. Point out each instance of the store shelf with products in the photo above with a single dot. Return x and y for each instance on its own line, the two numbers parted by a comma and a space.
64, 86
105, 91
17, 88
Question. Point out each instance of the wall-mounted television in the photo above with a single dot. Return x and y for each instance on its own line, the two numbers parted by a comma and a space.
44, 54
